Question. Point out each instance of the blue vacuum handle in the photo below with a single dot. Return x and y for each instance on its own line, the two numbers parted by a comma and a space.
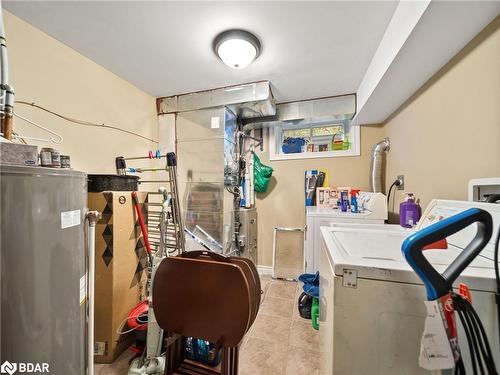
435, 283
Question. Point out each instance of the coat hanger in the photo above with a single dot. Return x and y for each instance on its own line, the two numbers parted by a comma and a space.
55, 138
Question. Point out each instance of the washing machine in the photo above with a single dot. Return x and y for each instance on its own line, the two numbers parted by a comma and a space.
373, 210
371, 302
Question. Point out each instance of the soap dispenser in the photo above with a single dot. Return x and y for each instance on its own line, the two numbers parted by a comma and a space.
409, 211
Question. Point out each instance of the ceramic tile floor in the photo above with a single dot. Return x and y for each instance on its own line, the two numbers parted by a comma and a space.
280, 342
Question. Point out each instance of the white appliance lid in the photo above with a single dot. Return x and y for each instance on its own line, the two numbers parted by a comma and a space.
376, 253
440, 209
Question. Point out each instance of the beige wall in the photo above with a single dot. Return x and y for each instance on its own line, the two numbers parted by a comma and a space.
47, 72
283, 204
449, 132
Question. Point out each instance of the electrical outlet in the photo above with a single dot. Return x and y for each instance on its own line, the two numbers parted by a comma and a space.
401, 178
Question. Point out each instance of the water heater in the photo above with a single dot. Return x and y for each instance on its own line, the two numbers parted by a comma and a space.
43, 268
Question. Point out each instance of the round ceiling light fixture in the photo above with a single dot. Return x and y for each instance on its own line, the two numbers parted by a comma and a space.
237, 48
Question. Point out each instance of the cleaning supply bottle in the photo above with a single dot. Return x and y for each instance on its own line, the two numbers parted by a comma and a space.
409, 211
354, 201
315, 313
344, 200
243, 201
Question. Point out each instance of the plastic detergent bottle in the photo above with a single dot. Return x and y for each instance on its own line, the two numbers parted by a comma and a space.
409, 212
344, 200
354, 201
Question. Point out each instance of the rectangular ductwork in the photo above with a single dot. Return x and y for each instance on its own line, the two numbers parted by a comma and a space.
338, 107
249, 100
333, 108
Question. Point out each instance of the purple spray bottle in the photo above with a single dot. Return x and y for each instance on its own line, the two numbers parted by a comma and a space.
409, 212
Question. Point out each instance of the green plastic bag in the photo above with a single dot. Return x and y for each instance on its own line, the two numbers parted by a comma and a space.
262, 175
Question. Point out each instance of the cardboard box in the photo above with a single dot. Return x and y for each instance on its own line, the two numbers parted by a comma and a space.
18, 154
120, 267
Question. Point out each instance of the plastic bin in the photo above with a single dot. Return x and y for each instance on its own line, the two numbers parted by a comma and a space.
202, 351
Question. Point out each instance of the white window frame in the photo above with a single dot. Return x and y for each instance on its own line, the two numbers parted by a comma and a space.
276, 154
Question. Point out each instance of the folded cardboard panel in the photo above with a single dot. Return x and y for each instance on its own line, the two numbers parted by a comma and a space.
121, 263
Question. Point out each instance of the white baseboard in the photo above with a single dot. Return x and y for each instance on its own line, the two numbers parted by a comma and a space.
265, 270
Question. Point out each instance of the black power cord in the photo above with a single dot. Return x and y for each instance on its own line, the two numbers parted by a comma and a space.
396, 182
497, 277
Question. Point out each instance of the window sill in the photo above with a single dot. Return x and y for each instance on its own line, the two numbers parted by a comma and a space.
314, 155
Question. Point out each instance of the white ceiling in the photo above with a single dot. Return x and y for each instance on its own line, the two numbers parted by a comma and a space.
310, 49
420, 39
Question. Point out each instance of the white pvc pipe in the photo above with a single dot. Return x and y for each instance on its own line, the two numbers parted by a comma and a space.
4, 65
252, 177
7, 98
247, 188
2, 27
92, 216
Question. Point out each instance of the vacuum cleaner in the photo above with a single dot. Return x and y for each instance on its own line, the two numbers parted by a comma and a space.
440, 348
149, 359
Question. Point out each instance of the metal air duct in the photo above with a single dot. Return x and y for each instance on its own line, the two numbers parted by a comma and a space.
333, 108
246, 101
377, 166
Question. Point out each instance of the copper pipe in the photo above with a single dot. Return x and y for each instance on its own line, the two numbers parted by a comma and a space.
7, 123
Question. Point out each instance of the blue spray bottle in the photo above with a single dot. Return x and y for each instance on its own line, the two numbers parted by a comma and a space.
354, 201
243, 201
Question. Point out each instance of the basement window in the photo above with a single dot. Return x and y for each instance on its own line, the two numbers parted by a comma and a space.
306, 140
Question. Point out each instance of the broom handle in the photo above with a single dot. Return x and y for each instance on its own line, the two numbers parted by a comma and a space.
141, 221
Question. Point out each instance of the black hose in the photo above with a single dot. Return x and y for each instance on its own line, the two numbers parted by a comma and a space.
469, 339
459, 367
472, 327
475, 339
479, 347
487, 354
